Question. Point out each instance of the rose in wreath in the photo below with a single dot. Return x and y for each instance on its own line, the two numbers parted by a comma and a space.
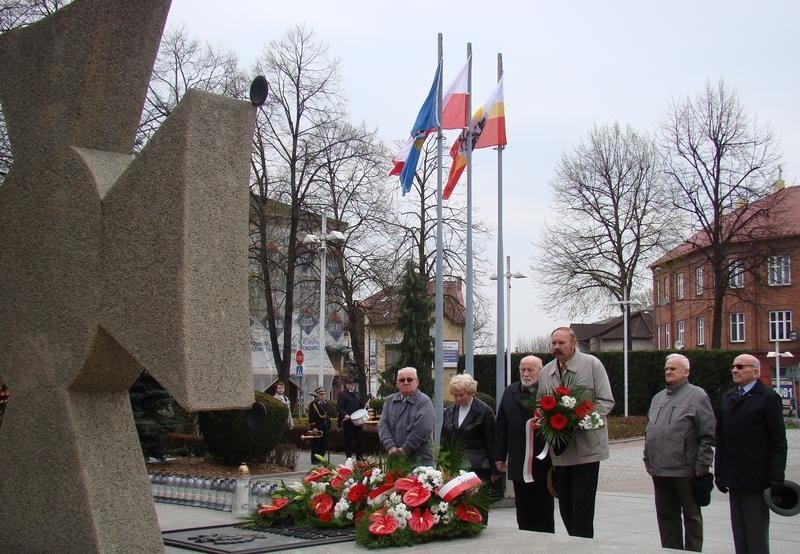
561, 390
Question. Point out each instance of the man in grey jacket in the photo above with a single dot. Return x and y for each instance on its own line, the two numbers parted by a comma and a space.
678, 448
577, 468
406, 425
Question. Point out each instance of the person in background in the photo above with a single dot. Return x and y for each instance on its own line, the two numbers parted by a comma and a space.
348, 402
678, 447
750, 454
406, 424
471, 421
577, 468
320, 419
280, 390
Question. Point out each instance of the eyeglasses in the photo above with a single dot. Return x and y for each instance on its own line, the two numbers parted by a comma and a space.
406, 380
741, 366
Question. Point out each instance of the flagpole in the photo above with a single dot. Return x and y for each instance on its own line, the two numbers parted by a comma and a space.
469, 325
439, 312
501, 342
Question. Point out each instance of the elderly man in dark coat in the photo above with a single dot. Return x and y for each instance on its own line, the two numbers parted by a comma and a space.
751, 452
533, 500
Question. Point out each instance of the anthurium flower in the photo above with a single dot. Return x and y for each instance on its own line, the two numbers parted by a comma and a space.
468, 513
416, 496
547, 402
357, 492
327, 516
385, 525
321, 503
358, 515
405, 483
563, 391
558, 421
337, 483
421, 522
316, 474
377, 514
344, 473
275, 505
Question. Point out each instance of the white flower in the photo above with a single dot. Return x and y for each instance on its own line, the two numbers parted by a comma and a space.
296, 486
348, 463
400, 513
376, 477
318, 488
440, 508
341, 506
591, 421
568, 402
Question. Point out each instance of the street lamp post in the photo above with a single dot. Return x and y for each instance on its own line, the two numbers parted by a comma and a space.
508, 275
322, 242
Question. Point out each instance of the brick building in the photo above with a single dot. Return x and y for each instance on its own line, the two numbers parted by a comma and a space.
762, 304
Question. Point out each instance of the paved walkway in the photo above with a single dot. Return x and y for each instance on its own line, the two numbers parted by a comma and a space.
625, 516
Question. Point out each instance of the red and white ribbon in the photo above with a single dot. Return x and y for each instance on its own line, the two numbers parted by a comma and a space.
530, 449
454, 487
382, 491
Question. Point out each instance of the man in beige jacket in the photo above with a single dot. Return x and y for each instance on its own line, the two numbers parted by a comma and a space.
576, 469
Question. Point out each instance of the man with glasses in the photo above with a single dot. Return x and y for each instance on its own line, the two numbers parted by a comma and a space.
751, 453
406, 425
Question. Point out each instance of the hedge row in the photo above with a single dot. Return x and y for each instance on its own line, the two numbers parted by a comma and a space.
710, 370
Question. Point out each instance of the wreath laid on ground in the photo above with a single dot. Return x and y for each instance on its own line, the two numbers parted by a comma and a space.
390, 502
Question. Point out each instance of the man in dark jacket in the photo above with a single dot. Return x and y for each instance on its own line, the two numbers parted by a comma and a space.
533, 501
320, 419
348, 402
751, 453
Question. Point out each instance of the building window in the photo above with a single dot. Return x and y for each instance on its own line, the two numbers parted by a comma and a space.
665, 290
737, 327
698, 281
679, 287
667, 342
658, 333
779, 270
780, 323
701, 331
680, 331
736, 270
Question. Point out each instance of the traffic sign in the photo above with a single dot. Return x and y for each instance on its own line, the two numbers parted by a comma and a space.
299, 357
298, 371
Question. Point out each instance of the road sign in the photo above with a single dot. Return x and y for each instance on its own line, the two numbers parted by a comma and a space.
298, 371
299, 357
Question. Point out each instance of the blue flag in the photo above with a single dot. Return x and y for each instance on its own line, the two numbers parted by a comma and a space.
427, 121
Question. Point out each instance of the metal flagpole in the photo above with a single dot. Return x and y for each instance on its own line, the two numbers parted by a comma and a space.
323, 273
500, 361
469, 325
439, 315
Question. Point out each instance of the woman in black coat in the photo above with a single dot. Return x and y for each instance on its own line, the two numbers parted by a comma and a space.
471, 421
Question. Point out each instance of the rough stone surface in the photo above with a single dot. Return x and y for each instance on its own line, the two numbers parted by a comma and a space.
109, 265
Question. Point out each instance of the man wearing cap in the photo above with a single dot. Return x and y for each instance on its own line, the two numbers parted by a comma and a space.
751, 453
406, 425
348, 402
320, 419
679, 448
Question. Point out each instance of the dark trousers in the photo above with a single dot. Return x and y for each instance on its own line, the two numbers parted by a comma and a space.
577, 487
353, 436
749, 521
318, 446
534, 507
673, 497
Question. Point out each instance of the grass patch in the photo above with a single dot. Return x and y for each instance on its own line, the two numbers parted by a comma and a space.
631, 427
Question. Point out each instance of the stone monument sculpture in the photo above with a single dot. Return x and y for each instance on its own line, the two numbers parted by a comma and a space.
110, 263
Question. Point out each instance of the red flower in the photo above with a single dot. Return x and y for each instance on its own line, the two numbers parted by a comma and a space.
327, 516
420, 523
337, 483
321, 503
547, 402
316, 474
384, 525
391, 477
563, 391
358, 515
581, 412
416, 496
368, 473
558, 421
274, 506
357, 492
468, 513
344, 473
588, 405
405, 483
377, 514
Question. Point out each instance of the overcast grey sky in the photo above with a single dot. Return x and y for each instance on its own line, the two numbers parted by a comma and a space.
568, 65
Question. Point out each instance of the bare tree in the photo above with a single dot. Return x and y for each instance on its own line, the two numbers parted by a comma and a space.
288, 161
15, 14
609, 220
184, 63
719, 163
534, 344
